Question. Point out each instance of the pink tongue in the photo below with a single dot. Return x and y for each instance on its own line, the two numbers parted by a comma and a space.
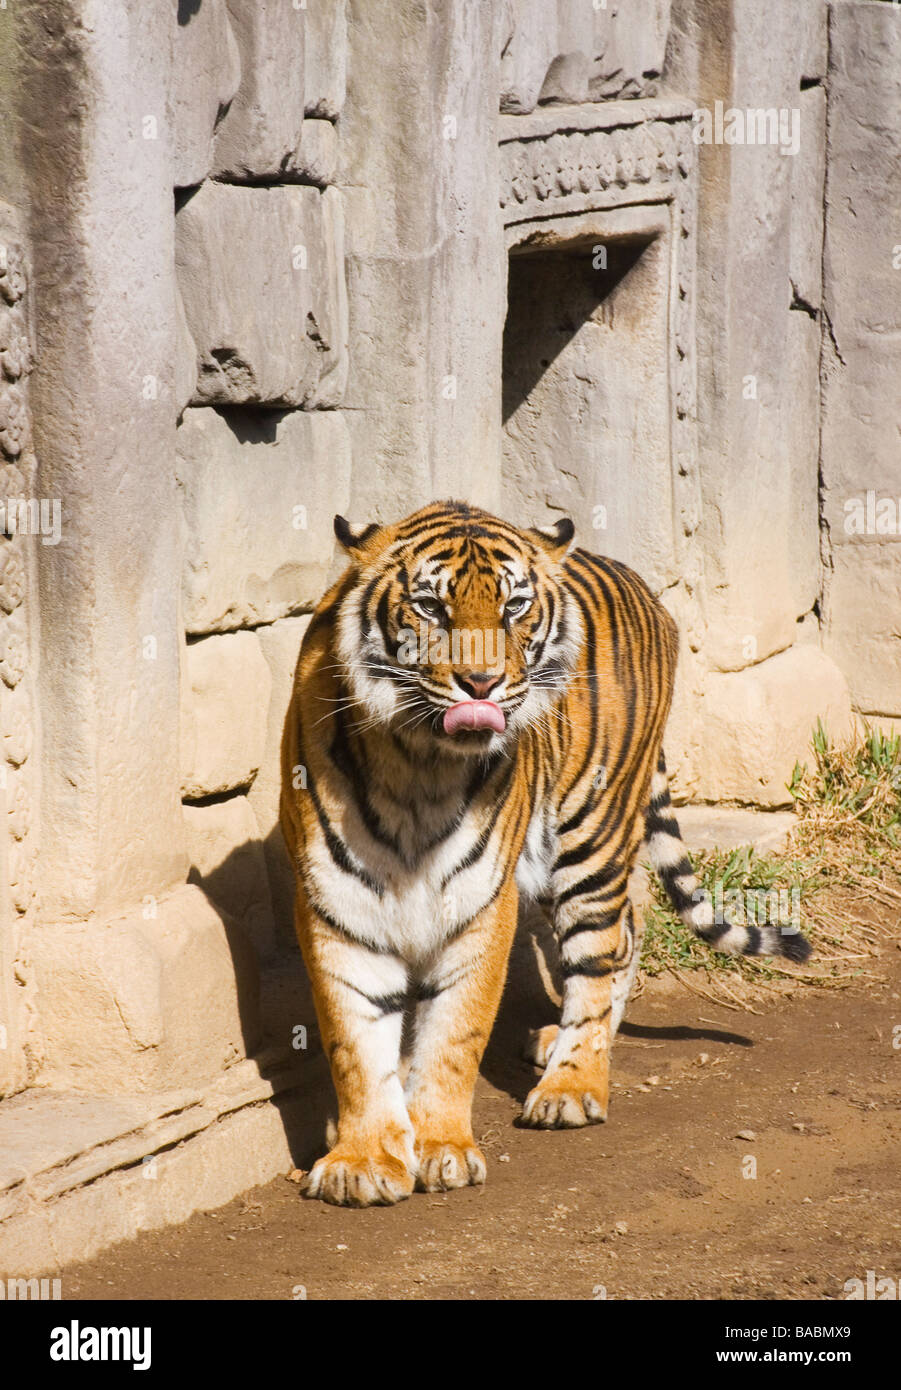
474, 714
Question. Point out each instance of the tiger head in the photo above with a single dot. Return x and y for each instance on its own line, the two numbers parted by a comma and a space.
458, 630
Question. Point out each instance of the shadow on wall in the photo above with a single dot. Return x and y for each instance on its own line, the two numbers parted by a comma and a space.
551, 295
187, 9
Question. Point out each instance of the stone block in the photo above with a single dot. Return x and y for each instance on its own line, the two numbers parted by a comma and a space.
226, 694
757, 219
163, 997
261, 272
259, 493
246, 1146
862, 629
326, 58
861, 419
725, 827
99, 156
811, 41
757, 724
571, 51
316, 158
262, 126
228, 863
206, 71
631, 60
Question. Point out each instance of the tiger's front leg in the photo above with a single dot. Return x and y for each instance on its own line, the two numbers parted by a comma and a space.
458, 998
597, 946
360, 993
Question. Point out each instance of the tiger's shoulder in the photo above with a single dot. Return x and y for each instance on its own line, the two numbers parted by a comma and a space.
614, 591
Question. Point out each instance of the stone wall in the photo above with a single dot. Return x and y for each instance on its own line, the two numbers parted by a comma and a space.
262, 261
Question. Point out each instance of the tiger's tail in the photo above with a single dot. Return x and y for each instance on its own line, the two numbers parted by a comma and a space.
670, 859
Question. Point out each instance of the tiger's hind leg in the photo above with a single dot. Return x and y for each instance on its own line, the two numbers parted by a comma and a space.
624, 979
540, 1041
597, 960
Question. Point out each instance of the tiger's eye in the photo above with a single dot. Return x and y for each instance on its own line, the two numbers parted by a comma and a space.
430, 607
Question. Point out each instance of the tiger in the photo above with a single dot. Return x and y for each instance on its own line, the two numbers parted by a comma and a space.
430, 783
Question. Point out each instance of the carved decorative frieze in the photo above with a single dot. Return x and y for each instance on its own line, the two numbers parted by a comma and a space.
597, 156
595, 161
565, 161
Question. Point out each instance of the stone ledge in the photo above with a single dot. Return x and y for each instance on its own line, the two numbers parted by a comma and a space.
74, 1177
605, 115
727, 827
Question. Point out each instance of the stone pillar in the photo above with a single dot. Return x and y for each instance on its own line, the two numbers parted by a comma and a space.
425, 253
263, 446
758, 208
100, 161
135, 971
19, 751
861, 447
758, 335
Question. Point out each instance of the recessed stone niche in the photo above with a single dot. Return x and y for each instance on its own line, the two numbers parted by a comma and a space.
598, 373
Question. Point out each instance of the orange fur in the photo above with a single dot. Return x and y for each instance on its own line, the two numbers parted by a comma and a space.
382, 927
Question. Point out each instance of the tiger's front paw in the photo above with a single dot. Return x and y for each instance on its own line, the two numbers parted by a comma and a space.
444, 1165
565, 1102
350, 1177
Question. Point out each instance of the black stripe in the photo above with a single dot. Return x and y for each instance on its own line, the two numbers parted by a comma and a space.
342, 755
337, 849
666, 825
592, 968
603, 923
386, 1004
353, 938
755, 938
603, 878
475, 852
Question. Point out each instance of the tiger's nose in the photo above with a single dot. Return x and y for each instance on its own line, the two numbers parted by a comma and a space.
478, 684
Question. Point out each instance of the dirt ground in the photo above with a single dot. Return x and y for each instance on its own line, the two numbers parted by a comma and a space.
658, 1203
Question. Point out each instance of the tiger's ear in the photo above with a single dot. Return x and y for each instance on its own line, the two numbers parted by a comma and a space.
360, 542
556, 539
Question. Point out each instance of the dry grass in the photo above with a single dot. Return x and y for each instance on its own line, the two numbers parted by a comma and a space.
840, 872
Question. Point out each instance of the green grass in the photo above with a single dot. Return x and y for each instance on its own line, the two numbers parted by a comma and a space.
858, 783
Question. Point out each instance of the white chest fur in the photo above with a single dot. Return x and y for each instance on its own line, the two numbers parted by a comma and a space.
405, 902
